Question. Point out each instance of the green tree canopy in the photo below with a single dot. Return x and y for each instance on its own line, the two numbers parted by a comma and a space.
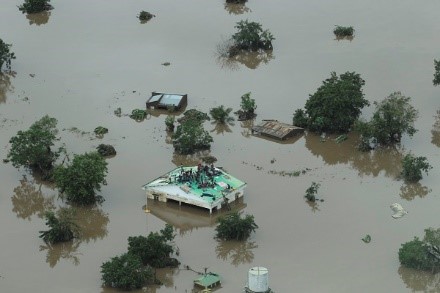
32, 148
6, 55
413, 166
62, 227
235, 227
221, 114
190, 136
336, 104
35, 6
436, 80
251, 36
422, 254
126, 272
82, 178
155, 249
393, 117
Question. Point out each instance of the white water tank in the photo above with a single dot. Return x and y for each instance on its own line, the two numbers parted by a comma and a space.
258, 279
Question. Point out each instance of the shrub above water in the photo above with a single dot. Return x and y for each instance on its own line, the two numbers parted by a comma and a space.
251, 36
235, 227
343, 31
35, 6
413, 167
436, 80
145, 16
6, 55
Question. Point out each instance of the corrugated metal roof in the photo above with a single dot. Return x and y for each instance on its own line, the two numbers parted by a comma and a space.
276, 129
207, 280
172, 100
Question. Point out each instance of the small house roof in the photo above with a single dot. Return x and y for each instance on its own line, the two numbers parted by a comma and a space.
276, 129
208, 280
171, 100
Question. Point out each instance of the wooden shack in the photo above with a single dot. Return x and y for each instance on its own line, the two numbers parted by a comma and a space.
277, 130
167, 101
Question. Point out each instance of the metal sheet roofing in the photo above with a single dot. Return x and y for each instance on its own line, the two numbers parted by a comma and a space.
276, 129
208, 280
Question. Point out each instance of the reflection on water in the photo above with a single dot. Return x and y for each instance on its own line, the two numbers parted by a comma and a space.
238, 252
314, 206
236, 9
5, 85
221, 128
65, 250
189, 160
382, 160
185, 218
250, 59
409, 191
28, 200
435, 139
348, 38
38, 18
92, 223
247, 127
420, 281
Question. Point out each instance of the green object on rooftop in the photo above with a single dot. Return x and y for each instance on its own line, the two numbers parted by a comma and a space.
208, 280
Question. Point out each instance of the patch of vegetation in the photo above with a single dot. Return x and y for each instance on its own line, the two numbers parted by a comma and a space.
138, 114
335, 106
62, 227
82, 179
250, 36
6, 55
145, 16
221, 115
126, 272
35, 6
248, 107
32, 148
235, 227
436, 80
106, 150
169, 122
393, 117
236, 1
422, 254
312, 191
118, 112
154, 250
343, 31
190, 136
367, 239
100, 131
300, 118
413, 167
194, 115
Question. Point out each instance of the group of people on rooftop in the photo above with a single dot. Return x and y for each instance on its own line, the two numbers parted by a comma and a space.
204, 176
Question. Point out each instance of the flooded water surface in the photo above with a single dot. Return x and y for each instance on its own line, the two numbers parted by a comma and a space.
84, 59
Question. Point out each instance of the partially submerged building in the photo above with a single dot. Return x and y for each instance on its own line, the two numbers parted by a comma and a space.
202, 186
167, 101
276, 130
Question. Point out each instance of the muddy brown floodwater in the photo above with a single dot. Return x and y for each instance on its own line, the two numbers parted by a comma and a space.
85, 59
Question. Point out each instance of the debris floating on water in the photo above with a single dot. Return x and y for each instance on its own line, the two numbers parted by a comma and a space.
398, 210
367, 239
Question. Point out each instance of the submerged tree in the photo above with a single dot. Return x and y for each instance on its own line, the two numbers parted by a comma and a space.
145, 16
335, 105
6, 55
251, 36
32, 148
62, 227
235, 227
221, 115
436, 80
190, 135
312, 191
248, 107
154, 250
422, 254
126, 272
394, 116
82, 179
35, 6
413, 167
343, 31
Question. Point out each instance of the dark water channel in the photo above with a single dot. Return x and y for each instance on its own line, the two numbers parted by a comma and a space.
84, 59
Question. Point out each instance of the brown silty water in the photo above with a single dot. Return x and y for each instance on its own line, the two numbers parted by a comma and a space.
84, 59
